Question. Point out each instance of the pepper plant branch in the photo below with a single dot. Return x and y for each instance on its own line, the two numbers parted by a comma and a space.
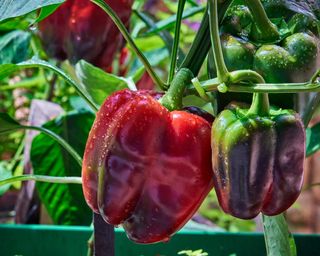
130, 41
222, 71
42, 178
175, 47
255, 86
267, 30
54, 136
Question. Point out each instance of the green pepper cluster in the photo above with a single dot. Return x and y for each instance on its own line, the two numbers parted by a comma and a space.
291, 57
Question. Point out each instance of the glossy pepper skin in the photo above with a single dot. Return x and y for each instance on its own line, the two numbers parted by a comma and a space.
154, 166
257, 161
293, 58
79, 29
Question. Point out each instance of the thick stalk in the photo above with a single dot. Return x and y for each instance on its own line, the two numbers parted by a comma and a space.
222, 71
201, 44
175, 47
172, 100
130, 41
267, 31
199, 48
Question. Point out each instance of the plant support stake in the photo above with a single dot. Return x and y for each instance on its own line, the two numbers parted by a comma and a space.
103, 237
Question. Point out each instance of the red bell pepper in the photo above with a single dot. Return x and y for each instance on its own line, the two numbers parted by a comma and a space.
79, 29
145, 167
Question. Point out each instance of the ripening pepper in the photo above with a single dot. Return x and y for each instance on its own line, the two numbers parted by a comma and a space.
146, 168
79, 29
257, 160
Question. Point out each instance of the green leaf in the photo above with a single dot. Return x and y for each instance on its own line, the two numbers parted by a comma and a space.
10, 9
64, 202
279, 240
7, 69
5, 173
98, 83
313, 139
7, 123
46, 11
14, 47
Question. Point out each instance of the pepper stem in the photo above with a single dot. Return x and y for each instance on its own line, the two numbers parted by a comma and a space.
222, 71
172, 100
175, 47
260, 104
267, 30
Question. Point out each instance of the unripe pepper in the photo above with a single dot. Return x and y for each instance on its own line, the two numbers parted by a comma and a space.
257, 160
146, 168
79, 29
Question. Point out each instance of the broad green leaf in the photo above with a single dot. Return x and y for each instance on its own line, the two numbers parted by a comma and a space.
313, 139
98, 83
7, 69
14, 47
65, 202
279, 240
7, 123
5, 173
10, 9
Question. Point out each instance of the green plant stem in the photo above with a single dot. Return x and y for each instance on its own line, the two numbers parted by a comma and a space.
199, 48
201, 44
245, 75
268, 31
27, 83
248, 87
222, 71
36, 63
172, 100
54, 136
175, 47
130, 41
260, 105
42, 178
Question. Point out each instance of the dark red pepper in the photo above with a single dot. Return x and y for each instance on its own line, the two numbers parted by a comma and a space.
79, 29
145, 167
